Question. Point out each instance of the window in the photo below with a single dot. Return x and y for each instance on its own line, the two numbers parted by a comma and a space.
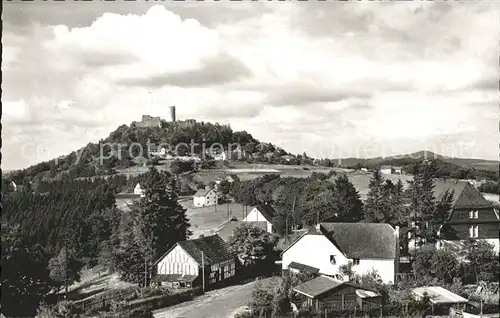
355, 261
473, 231
332, 259
182, 284
473, 214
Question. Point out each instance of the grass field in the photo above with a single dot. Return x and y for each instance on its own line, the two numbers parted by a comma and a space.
206, 220
361, 180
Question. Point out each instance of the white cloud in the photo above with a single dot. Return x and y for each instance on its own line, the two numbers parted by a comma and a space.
319, 78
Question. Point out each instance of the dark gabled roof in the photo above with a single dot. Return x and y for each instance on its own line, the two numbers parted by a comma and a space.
362, 240
234, 177
267, 211
202, 192
227, 229
303, 267
464, 193
214, 249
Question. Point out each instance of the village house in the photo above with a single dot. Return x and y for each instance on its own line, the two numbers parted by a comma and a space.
138, 190
391, 169
368, 246
263, 212
287, 157
227, 230
441, 299
158, 152
323, 294
471, 215
231, 178
221, 156
183, 265
205, 197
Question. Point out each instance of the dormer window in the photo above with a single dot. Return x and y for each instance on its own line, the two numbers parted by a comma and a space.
332, 260
473, 214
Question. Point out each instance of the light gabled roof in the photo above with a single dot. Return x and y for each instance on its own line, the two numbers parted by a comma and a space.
322, 284
439, 295
303, 268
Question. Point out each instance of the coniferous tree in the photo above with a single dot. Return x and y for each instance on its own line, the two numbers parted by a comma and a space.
429, 215
347, 204
376, 203
25, 279
157, 222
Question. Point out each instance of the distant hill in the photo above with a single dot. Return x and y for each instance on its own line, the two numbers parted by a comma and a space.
467, 163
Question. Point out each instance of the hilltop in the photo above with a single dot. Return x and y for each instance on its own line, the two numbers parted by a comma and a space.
121, 150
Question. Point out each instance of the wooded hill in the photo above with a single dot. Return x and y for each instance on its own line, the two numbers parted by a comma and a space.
172, 134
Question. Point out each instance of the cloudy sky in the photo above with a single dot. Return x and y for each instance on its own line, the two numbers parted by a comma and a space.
335, 80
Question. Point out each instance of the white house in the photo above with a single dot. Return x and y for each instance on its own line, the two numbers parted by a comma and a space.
181, 266
231, 178
262, 212
221, 156
205, 197
386, 169
139, 190
369, 246
160, 153
390, 170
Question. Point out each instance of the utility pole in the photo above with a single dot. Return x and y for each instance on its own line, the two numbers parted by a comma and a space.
66, 265
216, 201
203, 270
293, 213
145, 270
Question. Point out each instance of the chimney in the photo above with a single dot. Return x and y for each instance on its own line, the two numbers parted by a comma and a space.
397, 258
172, 113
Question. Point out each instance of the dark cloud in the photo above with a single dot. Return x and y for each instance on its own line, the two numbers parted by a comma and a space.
215, 71
487, 84
230, 111
303, 95
102, 59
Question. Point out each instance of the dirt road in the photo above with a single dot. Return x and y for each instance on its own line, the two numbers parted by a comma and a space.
219, 303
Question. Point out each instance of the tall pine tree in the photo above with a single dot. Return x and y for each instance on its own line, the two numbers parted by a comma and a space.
376, 204
347, 205
159, 221
428, 214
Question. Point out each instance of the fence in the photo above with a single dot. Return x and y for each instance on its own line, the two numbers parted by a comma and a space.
128, 299
101, 302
